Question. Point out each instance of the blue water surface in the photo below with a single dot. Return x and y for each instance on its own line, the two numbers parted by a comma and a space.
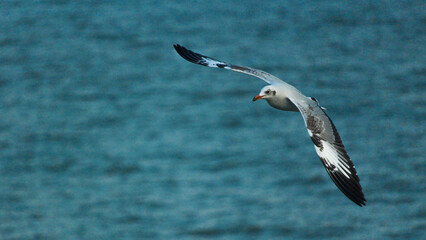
106, 133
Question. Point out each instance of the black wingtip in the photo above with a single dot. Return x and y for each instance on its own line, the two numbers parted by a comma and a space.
177, 46
362, 202
350, 187
179, 49
189, 55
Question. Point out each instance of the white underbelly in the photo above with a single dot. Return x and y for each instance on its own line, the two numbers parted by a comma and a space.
283, 104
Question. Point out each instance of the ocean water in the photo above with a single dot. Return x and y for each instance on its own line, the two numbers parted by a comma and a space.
106, 133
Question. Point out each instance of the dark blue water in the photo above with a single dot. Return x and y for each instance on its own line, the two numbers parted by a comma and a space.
106, 133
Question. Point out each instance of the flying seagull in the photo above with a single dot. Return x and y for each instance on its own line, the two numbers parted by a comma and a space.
324, 135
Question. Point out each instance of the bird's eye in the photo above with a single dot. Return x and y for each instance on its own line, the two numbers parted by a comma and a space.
267, 91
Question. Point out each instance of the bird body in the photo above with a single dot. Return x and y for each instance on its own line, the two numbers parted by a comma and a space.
280, 99
323, 133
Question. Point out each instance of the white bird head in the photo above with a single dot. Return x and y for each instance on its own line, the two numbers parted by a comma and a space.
267, 92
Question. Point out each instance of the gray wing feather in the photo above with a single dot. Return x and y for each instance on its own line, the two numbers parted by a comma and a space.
210, 62
330, 149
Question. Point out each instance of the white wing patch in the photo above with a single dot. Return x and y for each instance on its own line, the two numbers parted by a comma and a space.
331, 157
208, 62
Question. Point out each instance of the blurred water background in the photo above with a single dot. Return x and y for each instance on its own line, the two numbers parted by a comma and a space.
106, 133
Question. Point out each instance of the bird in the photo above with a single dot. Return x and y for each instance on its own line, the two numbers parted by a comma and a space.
322, 131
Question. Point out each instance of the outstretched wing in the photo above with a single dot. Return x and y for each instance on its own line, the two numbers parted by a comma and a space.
330, 149
210, 62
